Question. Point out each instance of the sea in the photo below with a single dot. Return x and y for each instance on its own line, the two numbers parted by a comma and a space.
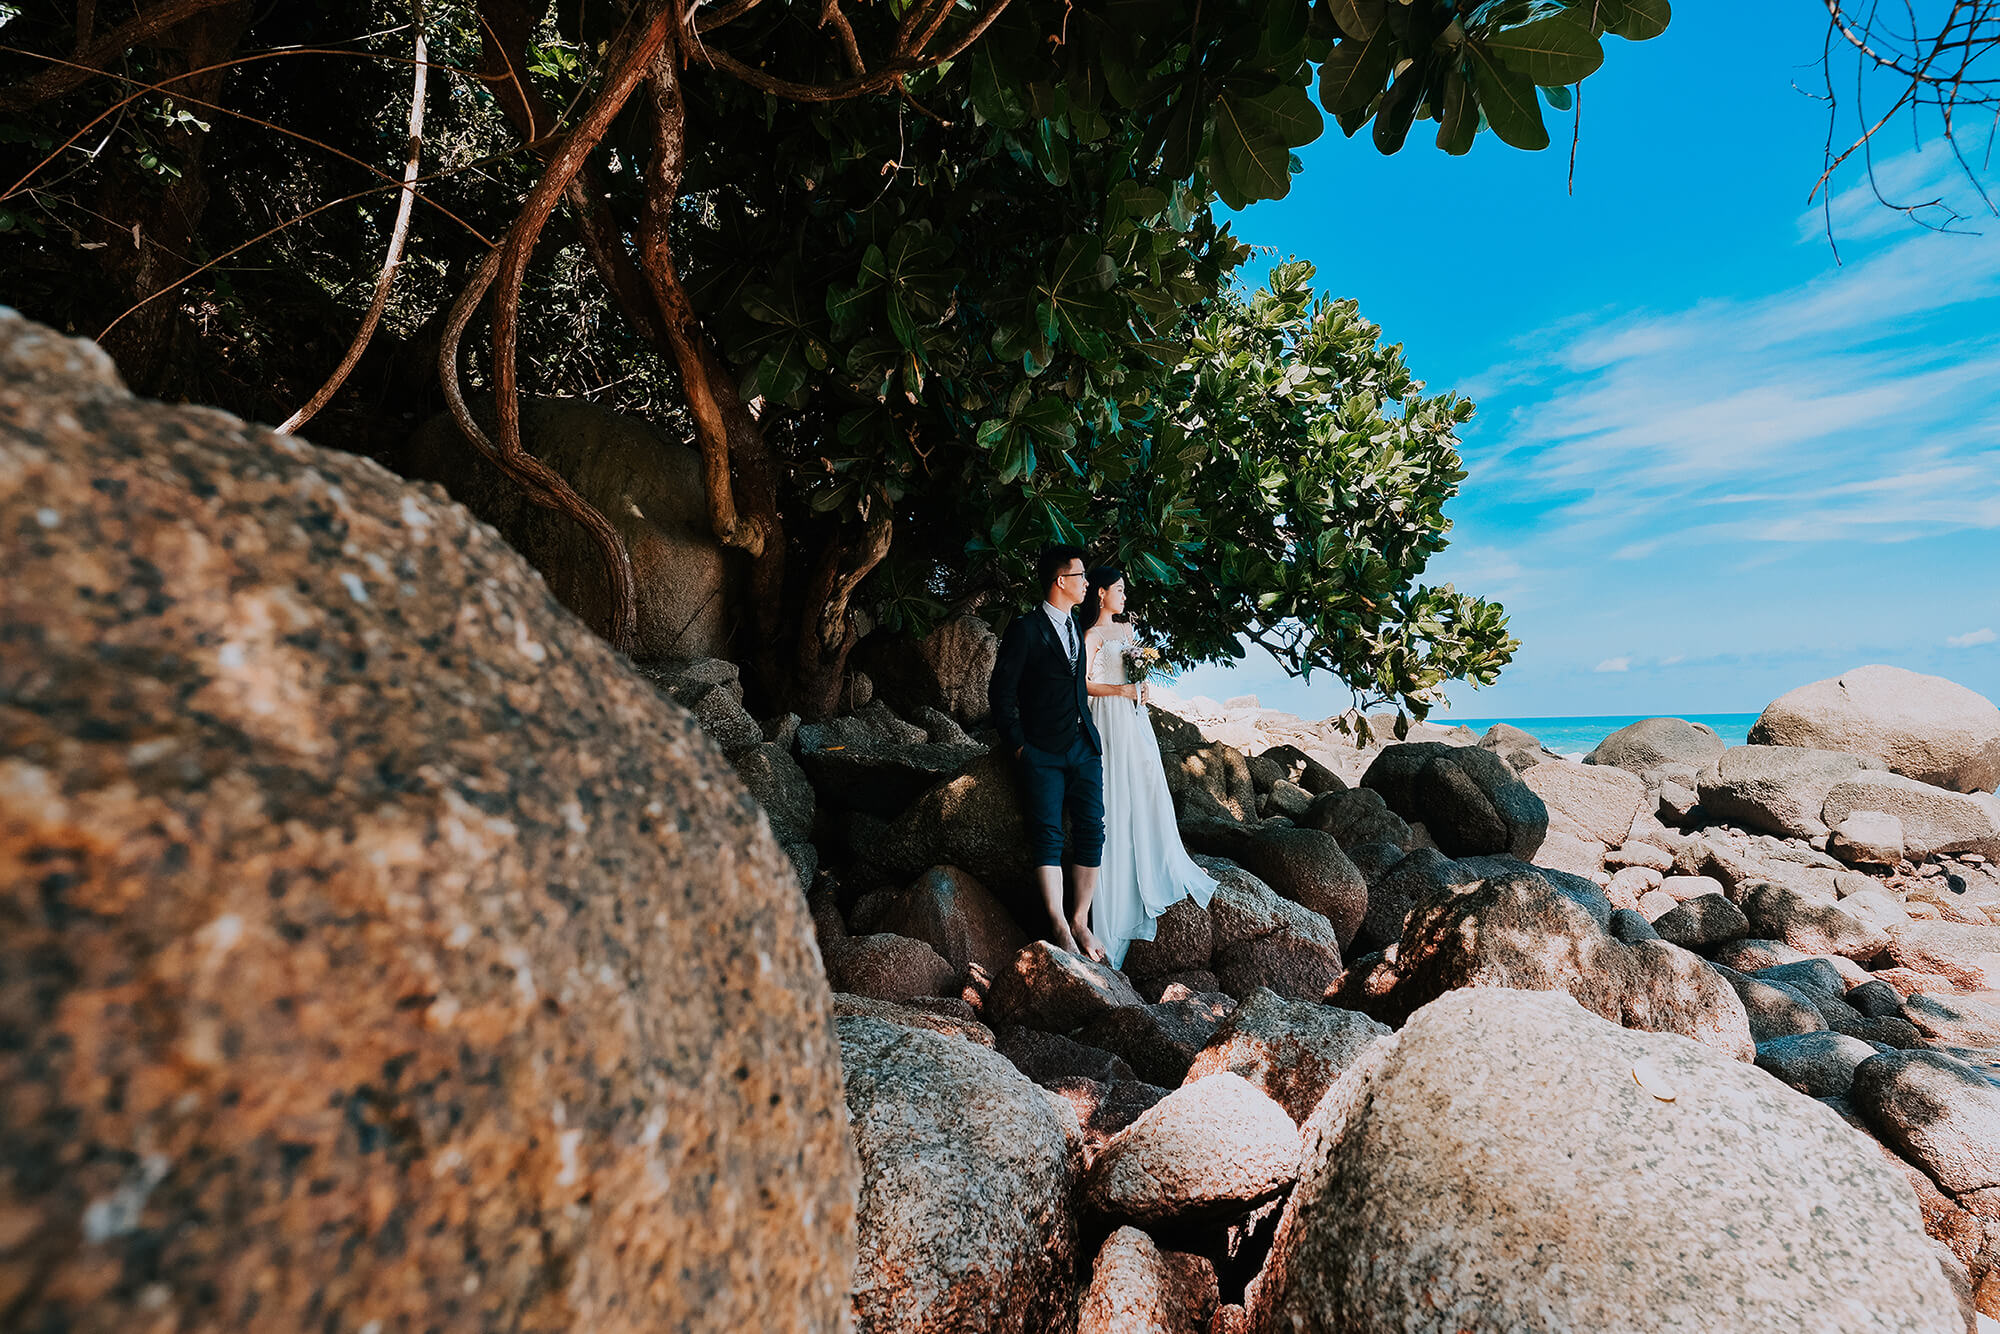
1578, 736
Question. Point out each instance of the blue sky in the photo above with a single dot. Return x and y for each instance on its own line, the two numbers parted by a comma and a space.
1709, 463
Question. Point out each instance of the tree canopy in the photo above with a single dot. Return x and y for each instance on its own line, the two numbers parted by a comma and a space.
929, 284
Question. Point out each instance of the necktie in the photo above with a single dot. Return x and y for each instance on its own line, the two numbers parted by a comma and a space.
1069, 641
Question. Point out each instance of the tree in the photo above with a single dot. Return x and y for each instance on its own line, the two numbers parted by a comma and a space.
917, 265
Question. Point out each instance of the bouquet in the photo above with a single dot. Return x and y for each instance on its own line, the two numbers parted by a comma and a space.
1142, 664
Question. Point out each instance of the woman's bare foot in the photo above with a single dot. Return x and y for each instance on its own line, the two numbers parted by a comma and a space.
1091, 948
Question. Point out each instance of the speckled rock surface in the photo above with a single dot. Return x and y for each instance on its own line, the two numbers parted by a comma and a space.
1309, 868
1927, 727
1498, 1167
1183, 941
1596, 801
1776, 789
1292, 1051
1940, 1113
1265, 940
1819, 1065
1470, 800
954, 914
1701, 922
1517, 930
1779, 913
376, 942
1159, 1041
1136, 1288
909, 1016
966, 1171
1212, 1149
1049, 988
1967, 954
1657, 743
888, 967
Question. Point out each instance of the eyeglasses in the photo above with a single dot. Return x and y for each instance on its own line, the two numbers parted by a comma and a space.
1073, 574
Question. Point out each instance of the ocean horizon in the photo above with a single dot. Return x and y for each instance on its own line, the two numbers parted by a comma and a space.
1578, 735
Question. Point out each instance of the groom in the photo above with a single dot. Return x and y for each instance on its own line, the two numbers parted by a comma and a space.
1043, 712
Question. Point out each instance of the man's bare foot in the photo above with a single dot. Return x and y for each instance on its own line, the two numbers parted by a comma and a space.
1064, 940
1091, 949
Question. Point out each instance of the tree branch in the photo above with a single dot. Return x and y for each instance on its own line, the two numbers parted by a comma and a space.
397, 237
134, 31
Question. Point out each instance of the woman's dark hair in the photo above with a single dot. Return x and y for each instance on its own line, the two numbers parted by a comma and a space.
1101, 578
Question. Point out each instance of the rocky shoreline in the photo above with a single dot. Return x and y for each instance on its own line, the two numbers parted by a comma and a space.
383, 952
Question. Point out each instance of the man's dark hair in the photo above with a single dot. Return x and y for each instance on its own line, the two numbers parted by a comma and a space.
1050, 564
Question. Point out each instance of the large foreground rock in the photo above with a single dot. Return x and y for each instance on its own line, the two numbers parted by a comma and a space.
1924, 727
376, 944
948, 1133
1508, 1162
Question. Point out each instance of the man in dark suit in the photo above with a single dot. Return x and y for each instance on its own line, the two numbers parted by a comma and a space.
1043, 712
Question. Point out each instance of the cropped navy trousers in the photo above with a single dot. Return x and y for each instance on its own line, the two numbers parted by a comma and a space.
1052, 784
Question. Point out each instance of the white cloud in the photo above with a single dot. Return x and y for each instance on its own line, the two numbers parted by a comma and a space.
1613, 665
1673, 661
1862, 404
1983, 635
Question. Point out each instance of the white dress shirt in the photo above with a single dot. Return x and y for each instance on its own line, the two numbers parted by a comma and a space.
1065, 629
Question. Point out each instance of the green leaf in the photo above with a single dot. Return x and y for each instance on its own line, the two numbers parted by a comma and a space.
1399, 108
996, 93
1508, 99
1353, 72
1555, 50
1254, 164
1558, 97
1286, 25
1634, 20
1458, 117
1358, 18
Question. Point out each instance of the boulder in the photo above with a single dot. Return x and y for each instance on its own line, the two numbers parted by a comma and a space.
1158, 1041
1939, 1113
1183, 941
713, 696
650, 489
1878, 907
1468, 799
368, 919
1565, 851
782, 789
881, 779
1778, 913
1776, 789
1658, 743
1649, 856
1632, 883
1519, 748
1879, 1000
1291, 1051
949, 1131
1517, 931
1935, 822
1288, 799
1136, 1288
1104, 1108
1867, 838
1213, 1149
1356, 816
1699, 923
1819, 1065
1205, 778
1047, 987
1599, 800
1308, 867
1774, 1009
889, 968
1630, 926
1967, 954
972, 820
1748, 956
1264, 940
1924, 727
1964, 1021
1050, 1058
1510, 1161
955, 915
948, 669
1417, 876
910, 1016
1298, 767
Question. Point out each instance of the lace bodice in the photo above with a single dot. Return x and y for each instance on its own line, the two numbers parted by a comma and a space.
1107, 664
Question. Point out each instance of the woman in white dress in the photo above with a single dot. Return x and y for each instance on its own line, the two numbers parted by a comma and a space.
1145, 870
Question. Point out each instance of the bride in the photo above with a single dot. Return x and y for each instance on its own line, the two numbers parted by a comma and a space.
1145, 870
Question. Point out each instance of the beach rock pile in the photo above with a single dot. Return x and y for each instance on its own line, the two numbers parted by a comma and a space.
382, 946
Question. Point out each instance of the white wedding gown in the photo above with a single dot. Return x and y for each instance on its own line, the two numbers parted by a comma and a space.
1145, 870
